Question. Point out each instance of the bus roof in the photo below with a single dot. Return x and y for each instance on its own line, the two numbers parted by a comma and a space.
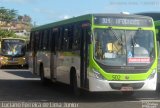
85, 17
67, 21
154, 15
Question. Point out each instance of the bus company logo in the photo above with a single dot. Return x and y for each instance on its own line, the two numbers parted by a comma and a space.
126, 77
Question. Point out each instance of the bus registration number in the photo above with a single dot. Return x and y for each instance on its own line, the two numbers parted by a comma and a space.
126, 88
116, 77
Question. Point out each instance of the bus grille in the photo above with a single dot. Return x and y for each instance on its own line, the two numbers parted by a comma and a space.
119, 85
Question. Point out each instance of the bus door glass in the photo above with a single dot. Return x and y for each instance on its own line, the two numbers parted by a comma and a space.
84, 54
52, 40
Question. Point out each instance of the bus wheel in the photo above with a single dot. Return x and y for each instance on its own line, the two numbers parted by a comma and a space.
1, 67
43, 79
128, 93
158, 87
74, 85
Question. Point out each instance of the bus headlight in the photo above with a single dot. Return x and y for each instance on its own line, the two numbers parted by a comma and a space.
97, 74
151, 76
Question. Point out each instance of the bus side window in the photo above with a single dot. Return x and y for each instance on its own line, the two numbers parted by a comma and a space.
45, 40
70, 37
60, 39
57, 39
41, 40
33, 37
31, 42
34, 43
76, 38
36, 40
65, 39
52, 39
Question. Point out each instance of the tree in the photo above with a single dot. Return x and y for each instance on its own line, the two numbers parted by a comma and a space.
6, 33
27, 18
20, 18
3, 13
9, 20
11, 15
7, 14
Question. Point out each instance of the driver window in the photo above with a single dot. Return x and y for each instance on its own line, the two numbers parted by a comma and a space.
98, 49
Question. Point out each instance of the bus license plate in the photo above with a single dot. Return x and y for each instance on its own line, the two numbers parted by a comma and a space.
126, 88
12, 62
14, 59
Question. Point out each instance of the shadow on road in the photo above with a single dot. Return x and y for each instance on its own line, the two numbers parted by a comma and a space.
33, 90
14, 67
22, 73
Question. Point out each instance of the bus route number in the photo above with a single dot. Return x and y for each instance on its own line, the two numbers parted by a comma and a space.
116, 77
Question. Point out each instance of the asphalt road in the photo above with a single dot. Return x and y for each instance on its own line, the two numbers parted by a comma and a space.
19, 88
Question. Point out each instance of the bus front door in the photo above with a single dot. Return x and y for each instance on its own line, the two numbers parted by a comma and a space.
84, 57
53, 61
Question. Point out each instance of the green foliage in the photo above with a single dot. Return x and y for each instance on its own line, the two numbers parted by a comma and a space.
9, 17
7, 14
6, 33
25, 18
22, 37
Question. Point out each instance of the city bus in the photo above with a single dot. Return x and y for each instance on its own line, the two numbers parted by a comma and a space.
97, 53
13, 52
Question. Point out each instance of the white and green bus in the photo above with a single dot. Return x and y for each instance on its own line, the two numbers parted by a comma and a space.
97, 52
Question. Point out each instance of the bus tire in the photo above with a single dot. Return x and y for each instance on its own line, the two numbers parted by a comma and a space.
74, 85
158, 82
0, 66
128, 93
43, 79
158, 87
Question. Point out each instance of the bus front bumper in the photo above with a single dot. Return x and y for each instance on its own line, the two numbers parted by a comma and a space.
11, 63
105, 85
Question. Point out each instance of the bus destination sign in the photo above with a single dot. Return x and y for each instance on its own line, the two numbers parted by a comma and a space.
123, 21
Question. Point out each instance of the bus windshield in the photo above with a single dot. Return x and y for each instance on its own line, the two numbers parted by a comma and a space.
13, 47
114, 47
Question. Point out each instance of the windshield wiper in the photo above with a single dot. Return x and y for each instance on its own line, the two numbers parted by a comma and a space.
115, 35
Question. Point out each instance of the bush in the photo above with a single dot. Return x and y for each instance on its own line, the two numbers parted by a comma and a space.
6, 33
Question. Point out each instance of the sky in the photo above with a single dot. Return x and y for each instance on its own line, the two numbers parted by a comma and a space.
47, 11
